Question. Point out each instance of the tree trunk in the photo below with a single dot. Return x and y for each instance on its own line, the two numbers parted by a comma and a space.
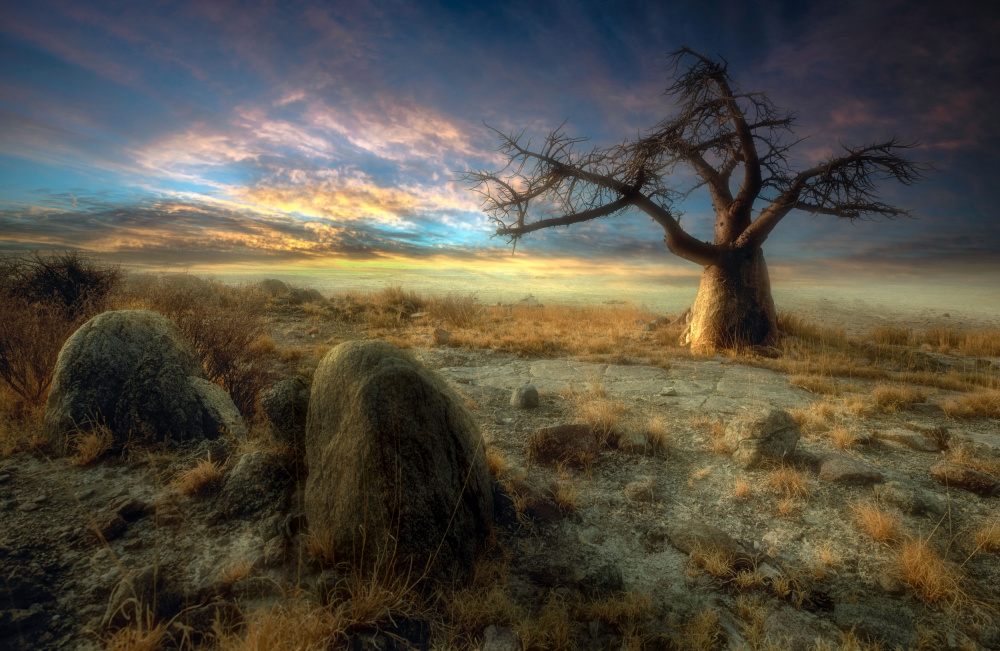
734, 307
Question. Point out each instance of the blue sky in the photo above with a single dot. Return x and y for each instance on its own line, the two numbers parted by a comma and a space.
311, 134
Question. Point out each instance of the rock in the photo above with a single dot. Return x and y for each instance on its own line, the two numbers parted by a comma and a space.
273, 287
260, 481
440, 337
109, 526
286, 405
912, 440
574, 444
297, 296
893, 627
847, 471
134, 371
689, 536
524, 397
762, 438
909, 500
797, 630
500, 638
668, 391
655, 538
392, 450
954, 475
536, 502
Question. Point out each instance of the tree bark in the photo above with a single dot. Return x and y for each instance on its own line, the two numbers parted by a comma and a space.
734, 307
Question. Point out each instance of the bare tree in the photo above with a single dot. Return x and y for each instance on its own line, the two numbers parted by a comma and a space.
717, 129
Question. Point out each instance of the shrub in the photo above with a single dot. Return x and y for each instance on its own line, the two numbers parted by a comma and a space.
43, 301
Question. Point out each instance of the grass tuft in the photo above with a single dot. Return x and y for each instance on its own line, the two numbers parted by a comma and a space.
880, 524
202, 479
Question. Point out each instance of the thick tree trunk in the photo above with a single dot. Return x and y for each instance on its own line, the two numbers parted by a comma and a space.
734, 307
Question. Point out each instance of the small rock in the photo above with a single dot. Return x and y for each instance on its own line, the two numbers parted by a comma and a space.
912, 440
537, 503
762, 438
892, 626
573, 443
28, 506
440, 337
640, 491
500, 638
655, 538
603, 581
260, 481
909, 500
668, 391
129, 508
952, 474
656, 324
419, 315
286, 405
110, 525
524, 397
689, 536
847, 471
797, 630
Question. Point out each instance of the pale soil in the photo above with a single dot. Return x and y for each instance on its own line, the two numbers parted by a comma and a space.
67, 576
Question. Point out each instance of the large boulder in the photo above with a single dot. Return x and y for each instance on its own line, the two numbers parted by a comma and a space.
396, 464
762, 438
134, 372
273, 287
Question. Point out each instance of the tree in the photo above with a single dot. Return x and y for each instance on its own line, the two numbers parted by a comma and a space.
716, 129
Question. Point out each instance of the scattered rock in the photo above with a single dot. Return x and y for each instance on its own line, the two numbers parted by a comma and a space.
668, 391
573, 443
912, 440
954, 475
500, 638
297, 296
440, 337
524, 397
908, 499
392, 449
655, 538
286, 405
260, 481
689, 536
537, 503
762, 438
847, 471
603, 581
134, 371
109, 526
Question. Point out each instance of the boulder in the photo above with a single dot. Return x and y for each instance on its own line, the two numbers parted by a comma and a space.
762, 438
273, 287
910, 439
396, 464
689, 536
286, 405
524, 397
134, 372
260, 481
297, 296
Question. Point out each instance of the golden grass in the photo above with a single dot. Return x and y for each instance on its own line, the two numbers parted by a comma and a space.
934, 578
567, 496
880, 524
202, 479
497, 463
892, 398
90, 446
703, 631
816, 418
985, 404
789, 481
235, 572
717, 561
964, 455
842, 437
604, 415
985, 343
551, 628
816, 384
139, 636
741, 488
20, 426
987, 536
483, 599
888, 336
656, 437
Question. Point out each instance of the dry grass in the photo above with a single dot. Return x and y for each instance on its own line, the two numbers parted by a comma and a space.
655, 437
816, 384
842, 437
984, 343
716, 561
892, 398
984, 404
965, 455
888, 336
604, 415
202, 479
934, 578
140, 636
880, 524
987, 536
236, 572
816, 418
484, 599
20, 425
497, 463
88, 447
741, 488
788, 481
703, 631
551, 628
567, 496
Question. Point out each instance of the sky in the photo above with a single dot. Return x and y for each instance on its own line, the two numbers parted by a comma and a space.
329, 135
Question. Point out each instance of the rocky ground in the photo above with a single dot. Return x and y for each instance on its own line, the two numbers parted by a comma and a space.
80, 547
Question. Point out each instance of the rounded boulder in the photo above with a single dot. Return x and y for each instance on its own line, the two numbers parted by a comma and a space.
135, 373
396, 465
